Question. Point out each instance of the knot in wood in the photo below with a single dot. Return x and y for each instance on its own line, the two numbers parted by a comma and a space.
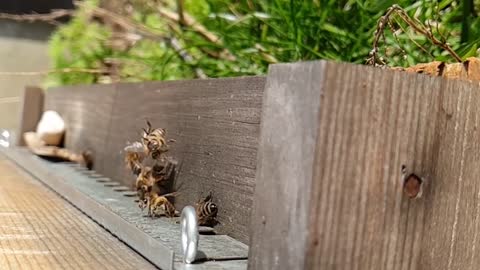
413, 186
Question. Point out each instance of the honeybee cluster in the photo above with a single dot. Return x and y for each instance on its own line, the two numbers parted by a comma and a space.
152, 182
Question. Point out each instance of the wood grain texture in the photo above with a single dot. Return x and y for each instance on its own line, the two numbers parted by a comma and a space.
32, 108
87, 111
285, 158
216, 126
370, 123
40, 230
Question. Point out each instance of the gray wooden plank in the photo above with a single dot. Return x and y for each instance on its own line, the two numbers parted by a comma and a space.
58, 235
285, 158
215, 124
156, 252
87, 111
156, 239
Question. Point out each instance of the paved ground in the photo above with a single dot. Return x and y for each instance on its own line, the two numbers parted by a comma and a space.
40, 230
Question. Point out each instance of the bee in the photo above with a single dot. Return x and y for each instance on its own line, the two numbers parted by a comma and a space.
160, 205
162, 171
133, 162
154, 141
134, 157
207, 212
143, 185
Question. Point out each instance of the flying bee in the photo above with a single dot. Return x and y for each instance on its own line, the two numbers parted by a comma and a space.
133, 162
207, 212
134, 157
160, 205
143, 185
154, 141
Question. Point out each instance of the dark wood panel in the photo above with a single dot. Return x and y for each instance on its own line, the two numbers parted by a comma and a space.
32, 108
215, 124
87, 111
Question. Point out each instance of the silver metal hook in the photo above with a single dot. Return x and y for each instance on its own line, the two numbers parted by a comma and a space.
190, 236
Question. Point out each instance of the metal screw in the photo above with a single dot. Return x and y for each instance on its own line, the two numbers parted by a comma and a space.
190, 237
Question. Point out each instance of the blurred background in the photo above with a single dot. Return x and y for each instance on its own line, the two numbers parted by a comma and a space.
57, 42
23, 47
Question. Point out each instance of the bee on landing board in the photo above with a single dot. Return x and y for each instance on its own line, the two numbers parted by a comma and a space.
207, 212
143, 185
162, 171
154, 141
159, 205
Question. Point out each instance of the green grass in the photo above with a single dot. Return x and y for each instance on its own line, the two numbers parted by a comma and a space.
262, 32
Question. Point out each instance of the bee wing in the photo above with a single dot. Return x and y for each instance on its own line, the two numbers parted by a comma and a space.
134, 147
208, 198
171, 194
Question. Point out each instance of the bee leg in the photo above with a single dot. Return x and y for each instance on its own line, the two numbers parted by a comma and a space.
165, 148
169, 168
155, 155
149, 211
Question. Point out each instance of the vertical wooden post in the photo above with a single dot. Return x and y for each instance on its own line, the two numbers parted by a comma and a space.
337, 143
31, 112
284, 166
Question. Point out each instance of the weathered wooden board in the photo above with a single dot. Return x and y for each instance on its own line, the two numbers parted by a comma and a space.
352, 213
370, 125
285, 159
156, 239
87, 111
216, 126
32, 108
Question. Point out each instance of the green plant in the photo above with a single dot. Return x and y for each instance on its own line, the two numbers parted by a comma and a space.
177, 39
78, 44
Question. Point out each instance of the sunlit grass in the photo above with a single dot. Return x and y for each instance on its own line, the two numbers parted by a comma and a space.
258, 33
